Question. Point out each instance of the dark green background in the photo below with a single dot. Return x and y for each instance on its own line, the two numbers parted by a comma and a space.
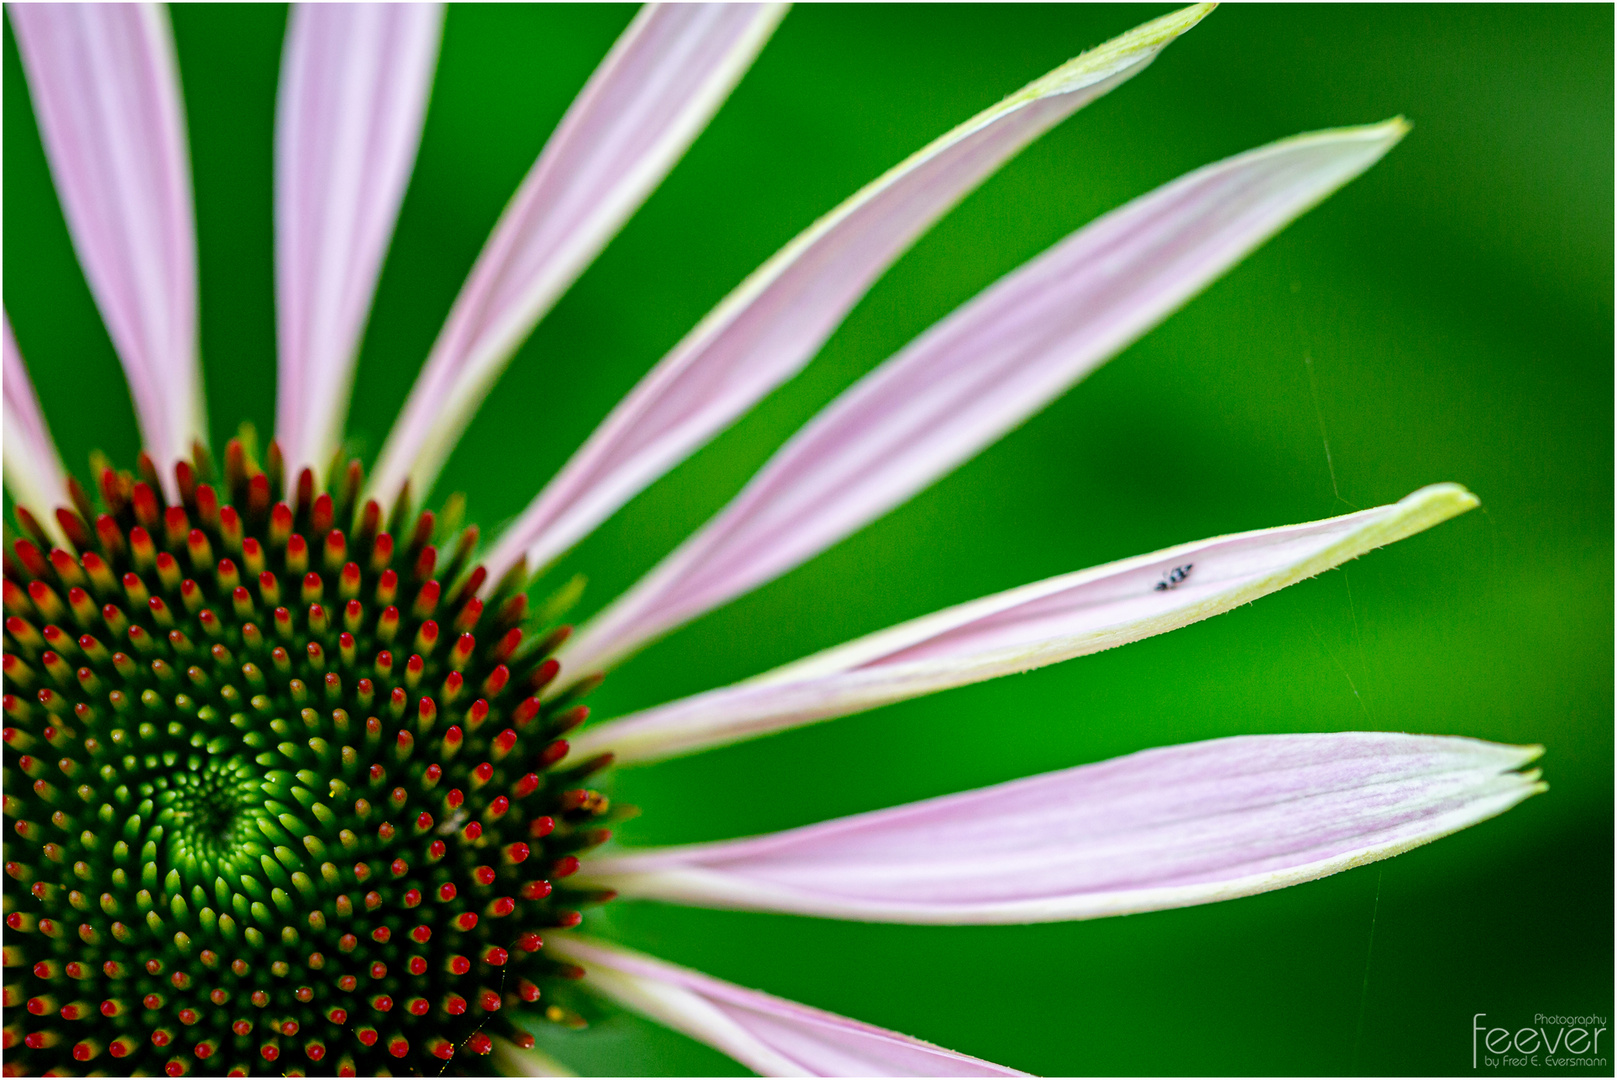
1456, 304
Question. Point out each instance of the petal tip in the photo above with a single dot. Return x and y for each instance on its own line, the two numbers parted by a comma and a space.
1530, 783
1514, 767
1134, 49
1171, 25
1440, 501
1393, 128
1381, 137
1529, 753
1390, 131
1193, 14
1161, 31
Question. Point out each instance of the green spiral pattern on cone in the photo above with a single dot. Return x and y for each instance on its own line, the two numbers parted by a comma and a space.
283, 796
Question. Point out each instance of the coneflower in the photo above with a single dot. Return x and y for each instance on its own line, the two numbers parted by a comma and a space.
291, 768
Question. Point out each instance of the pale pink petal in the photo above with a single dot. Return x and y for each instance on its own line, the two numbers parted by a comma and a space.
1021, 629
1159, 829
33, 468
651, 96
353, 93
980, 372
763, 333
767, 1034
106, 93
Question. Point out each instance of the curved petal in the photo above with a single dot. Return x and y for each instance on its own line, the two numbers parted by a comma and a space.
1023, 628
770, 1035
1162, 828
106, 93
512, 1060
767, 329
353, 94
649, 99
979, 373
33, 468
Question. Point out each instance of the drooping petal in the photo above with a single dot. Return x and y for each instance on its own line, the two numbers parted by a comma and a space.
649, 99
1020, 629
767, 329
770, 1035
33, 468
512, 1060
353, 94
1158, 829
106, 94
980, 372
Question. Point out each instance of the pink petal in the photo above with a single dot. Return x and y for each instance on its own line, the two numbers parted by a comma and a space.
354, 84
980, 372
763, 333
770, 1035
1021, 629
106, 94
1162, 828
649, 99
33, 468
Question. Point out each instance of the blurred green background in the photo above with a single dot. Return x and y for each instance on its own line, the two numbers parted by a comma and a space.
1446, 317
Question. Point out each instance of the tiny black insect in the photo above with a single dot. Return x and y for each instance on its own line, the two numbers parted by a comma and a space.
1174, 578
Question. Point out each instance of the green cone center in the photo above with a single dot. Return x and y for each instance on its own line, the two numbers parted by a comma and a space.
210, 810
286, 793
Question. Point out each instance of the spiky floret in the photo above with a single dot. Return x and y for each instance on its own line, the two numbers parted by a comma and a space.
283, 795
